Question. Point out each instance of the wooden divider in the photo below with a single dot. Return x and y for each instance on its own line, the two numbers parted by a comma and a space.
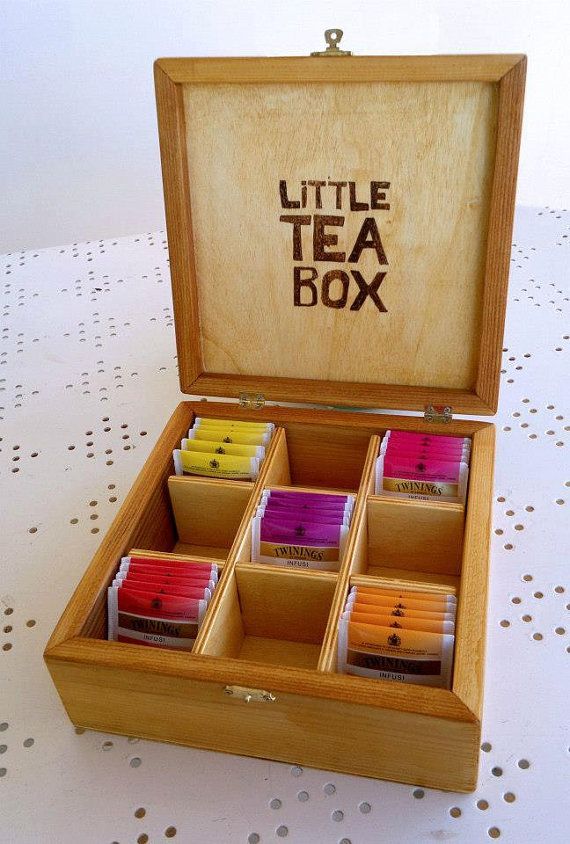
207, 513
327, 660
274, 466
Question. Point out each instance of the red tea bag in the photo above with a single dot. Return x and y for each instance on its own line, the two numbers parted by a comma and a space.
152, 619
182, 591
163, 580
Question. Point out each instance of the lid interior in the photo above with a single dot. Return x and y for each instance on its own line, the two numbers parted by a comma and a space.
340, 229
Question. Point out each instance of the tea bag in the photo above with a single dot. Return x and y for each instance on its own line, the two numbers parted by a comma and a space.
239, 449
221, 448
300, 529
154, 619
424, 467
407, 656
229, 466
385, 634
159, 601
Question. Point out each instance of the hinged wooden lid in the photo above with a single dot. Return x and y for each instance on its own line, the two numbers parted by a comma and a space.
339, 229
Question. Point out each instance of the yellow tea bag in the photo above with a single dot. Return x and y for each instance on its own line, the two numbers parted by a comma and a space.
428, 625
230, 435
204, 422
407, 656
215, 465
223, 448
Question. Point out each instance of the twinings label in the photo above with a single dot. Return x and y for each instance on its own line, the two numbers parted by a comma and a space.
431, 489
158, 627
298, 552
338, 287
217, 465
381, 662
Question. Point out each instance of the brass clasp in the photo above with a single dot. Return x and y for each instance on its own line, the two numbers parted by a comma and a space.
332, 37
248, 695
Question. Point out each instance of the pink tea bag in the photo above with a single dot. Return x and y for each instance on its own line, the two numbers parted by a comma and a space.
442, 480
317, 507
426, 439
164, 575
431, 450
433, 469
307, 498
289, 516
410, 448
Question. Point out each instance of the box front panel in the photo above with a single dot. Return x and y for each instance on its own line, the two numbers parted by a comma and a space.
369, 741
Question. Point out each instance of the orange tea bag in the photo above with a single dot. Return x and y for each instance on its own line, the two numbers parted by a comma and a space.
428, 625
435, 597
401, 603
398, 612
407, 656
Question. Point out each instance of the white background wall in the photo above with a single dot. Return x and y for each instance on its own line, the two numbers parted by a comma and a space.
78, 145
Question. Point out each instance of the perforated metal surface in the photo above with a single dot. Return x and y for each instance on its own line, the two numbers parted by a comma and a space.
87, 381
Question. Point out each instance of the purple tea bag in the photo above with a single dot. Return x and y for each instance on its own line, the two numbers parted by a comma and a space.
303, 544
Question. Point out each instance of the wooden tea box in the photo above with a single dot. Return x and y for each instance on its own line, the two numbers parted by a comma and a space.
339, 231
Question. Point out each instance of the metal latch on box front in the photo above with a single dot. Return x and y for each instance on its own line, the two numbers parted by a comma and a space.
438, 413
332, 37
250, 694
251, 399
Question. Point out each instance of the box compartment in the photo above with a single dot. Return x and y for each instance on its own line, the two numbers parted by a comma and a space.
272, 615
319, 457
407, 539
207, 513
244, 552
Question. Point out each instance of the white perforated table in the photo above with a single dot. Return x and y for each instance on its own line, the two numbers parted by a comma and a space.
87, 381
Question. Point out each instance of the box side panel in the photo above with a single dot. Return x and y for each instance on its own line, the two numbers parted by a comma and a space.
468, 681
335, 735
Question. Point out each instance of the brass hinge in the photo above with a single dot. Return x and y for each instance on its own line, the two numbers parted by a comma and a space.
332, 37
251, 399
250, 694
438, 413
